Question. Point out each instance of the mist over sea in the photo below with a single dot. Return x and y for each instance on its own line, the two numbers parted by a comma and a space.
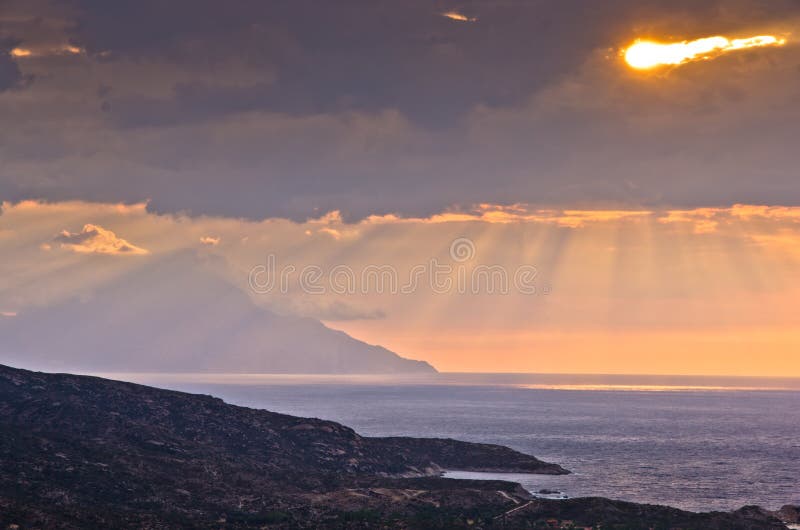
698, 443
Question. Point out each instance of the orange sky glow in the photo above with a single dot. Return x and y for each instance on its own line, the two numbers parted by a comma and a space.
682, 291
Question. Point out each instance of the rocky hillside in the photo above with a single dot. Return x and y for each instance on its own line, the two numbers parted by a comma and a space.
80, 452
78, 447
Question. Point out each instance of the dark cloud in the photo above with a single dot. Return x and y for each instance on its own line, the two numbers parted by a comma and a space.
10, 74
294, 108
334, 56
367, 55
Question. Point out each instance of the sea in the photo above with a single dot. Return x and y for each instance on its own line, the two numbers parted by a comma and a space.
697, 443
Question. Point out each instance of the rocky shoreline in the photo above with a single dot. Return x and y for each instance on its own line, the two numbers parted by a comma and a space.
79, 452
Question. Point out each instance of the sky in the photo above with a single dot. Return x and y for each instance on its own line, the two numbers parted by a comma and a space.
655, 214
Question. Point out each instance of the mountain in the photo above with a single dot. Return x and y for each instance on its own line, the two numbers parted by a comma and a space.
85, 452
179, 315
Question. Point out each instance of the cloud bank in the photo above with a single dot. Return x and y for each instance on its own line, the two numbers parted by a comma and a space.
373, 109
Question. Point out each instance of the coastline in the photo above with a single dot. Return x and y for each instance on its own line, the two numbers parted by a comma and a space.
92, 449
612, 441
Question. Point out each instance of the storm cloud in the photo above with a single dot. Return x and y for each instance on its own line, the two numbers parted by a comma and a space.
293, 109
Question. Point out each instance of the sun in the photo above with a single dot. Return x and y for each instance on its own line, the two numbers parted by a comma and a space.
645, 54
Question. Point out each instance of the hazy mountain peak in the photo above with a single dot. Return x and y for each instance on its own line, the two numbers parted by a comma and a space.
178, 314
